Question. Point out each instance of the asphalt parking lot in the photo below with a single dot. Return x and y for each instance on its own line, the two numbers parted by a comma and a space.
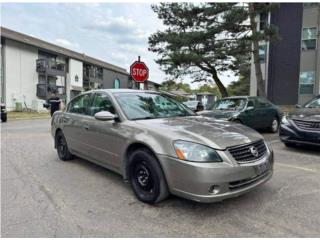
42, 196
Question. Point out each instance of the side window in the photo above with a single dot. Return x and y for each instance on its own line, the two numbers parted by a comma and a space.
251, 103
80, 105
101, 102
263, 103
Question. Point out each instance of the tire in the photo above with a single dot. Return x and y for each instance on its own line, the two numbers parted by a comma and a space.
290, 145
146, 177
62, 147
274, 127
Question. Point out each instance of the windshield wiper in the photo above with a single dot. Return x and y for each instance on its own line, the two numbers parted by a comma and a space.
143, 118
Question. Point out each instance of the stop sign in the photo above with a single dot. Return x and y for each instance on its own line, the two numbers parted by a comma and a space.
139, 71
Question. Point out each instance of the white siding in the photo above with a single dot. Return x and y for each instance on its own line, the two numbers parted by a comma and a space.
20, 73
76, 69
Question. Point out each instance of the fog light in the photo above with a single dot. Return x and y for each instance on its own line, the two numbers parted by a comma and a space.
214, 189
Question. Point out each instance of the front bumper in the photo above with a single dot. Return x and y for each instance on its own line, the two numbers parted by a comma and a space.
289, 133
213, 182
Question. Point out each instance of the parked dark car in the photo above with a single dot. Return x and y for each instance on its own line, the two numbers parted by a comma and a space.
255, 112
3, 113
302, 126
195, 106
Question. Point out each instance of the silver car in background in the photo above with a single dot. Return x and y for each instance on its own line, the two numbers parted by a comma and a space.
162, 147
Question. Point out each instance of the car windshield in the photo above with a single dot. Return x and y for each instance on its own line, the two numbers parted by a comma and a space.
150, 106
230, 104
315, 103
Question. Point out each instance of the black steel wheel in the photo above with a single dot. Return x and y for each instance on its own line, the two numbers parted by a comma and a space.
62, 147
146, 177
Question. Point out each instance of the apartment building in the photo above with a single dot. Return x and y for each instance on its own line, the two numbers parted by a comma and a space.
291, 66
32, 68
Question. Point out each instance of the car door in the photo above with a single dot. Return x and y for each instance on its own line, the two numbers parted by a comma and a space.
105, 138
72, 120
249, 116
264, 113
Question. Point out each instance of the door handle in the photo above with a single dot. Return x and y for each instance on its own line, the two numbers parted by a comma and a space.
86, 127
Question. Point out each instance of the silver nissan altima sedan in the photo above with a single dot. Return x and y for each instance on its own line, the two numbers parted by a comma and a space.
161, 147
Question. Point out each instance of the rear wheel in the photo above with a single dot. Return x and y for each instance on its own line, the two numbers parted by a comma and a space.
62, 147
146, 177
274, 125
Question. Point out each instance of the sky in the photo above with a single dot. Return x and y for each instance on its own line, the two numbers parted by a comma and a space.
113, 32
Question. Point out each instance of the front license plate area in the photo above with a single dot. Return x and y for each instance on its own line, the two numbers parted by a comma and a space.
262, 168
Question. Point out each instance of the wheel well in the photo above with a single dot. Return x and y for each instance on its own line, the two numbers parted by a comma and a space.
131, 149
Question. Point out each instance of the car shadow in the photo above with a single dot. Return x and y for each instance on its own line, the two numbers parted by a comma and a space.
314, 150
175, 202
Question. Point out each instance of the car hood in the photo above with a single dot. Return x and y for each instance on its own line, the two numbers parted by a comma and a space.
308, 114
217, 134
218, 113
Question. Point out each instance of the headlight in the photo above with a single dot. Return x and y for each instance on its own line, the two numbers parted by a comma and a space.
195, 152
284, 120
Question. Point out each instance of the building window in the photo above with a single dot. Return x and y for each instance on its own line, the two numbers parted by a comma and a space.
116, 83
262, 53
263, 21
309, 38
306, 82
310, 4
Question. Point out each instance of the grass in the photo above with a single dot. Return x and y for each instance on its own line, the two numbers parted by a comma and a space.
27, 115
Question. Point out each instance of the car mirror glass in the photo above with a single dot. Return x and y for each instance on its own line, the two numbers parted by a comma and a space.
104, 116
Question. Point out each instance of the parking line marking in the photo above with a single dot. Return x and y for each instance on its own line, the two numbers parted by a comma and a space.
297, 167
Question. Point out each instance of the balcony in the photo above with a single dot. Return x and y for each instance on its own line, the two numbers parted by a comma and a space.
92, 77
43, 90
51, 67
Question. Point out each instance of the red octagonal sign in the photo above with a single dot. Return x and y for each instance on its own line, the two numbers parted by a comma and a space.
139, 71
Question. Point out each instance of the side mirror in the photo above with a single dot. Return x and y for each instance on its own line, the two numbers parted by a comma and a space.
298, 106
249, 108
104, 116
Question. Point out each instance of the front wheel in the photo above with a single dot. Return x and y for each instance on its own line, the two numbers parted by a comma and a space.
146, 177
62, 147
274, 125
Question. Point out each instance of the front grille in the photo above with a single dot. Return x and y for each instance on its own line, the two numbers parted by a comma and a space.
307, 125
249, 152
246, 182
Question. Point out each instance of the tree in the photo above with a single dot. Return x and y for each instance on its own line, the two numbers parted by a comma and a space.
206, 88
200, 39
171, 85
269, 33
203, 40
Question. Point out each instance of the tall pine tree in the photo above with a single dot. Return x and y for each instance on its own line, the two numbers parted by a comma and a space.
203, 40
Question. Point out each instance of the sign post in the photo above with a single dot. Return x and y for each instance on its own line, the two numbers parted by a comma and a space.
139, 72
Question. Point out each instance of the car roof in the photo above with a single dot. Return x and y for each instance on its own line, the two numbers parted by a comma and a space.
121, 90
236, 97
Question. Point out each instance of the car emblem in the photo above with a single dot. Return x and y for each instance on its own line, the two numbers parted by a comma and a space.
254, 151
